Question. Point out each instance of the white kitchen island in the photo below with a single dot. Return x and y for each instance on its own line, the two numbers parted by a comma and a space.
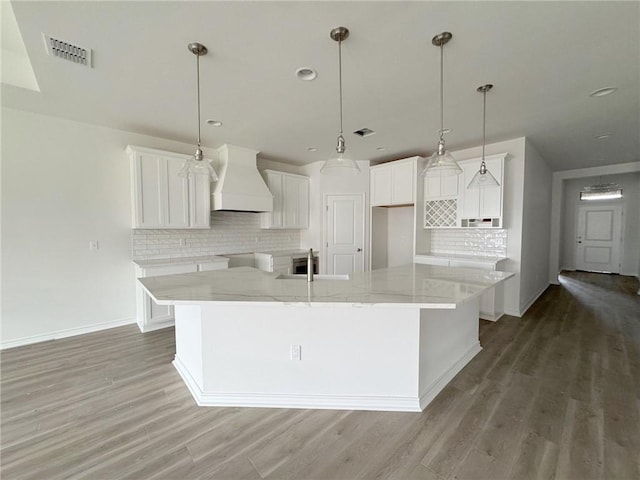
389, 339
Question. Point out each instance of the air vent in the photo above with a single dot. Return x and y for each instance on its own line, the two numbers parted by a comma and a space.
364, 132
67, 51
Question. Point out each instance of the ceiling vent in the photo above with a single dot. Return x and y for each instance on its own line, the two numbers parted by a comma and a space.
67, 51
364, 132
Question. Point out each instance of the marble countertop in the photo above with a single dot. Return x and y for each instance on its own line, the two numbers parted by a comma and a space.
413, 285
288, 253
159, 262
471, 258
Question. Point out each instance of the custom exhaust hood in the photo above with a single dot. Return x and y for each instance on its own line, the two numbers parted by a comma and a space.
240, 186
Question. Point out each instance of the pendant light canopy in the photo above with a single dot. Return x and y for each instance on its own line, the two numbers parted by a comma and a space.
198, 165
441, 162
483, 177
340, 165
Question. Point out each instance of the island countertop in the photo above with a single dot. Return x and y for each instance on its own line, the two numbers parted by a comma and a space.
413, 285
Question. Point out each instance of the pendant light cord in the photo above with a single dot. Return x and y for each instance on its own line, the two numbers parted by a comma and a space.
340, 79
484, 121
441, 91
198, 88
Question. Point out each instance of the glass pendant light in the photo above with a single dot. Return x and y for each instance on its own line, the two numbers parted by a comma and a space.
198, 165
340, 165
441, 162
483, 177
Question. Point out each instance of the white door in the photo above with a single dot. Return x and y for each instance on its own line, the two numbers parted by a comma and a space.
598, 238
344, 234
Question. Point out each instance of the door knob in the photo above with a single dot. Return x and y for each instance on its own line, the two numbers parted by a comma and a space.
359, 249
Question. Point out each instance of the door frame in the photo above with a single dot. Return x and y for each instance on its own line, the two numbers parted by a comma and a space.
325, 209
576, 230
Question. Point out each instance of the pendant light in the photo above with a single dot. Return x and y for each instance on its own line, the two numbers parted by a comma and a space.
198, 165
483, 177
340, 165
441, 162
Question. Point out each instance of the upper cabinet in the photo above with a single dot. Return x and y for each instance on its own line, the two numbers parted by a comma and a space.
449, 203
393, 183
482, 206
162, 199
290, 200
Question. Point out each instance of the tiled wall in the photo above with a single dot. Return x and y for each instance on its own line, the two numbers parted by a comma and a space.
490, 242
230, 232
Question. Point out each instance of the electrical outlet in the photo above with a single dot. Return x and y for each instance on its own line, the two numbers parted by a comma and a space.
296, 352
93, 245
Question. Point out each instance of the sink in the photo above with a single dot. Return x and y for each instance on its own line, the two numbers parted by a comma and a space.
316, 277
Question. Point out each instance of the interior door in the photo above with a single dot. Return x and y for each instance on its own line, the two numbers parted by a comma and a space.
598, 238
344, 229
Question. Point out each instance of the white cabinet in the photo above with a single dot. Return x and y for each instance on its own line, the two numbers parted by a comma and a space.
274, 263
484, 202
151, 316
290, 201
492, 301
162, 199
440, 187
393, 183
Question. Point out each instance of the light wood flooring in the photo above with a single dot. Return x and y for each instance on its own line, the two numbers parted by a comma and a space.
555, 394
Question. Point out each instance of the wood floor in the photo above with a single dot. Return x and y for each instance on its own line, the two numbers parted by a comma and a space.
555, 394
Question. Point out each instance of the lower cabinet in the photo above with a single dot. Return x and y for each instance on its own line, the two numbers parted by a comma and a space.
274, 263
492, 301
151, 316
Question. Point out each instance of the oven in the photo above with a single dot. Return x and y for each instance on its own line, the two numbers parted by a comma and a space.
299, 265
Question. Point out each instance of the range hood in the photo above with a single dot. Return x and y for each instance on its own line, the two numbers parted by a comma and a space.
240, 186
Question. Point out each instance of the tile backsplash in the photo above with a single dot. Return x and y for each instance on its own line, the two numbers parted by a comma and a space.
230, 232
485, 242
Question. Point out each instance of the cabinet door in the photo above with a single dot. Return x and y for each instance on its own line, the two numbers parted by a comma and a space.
381, 185
152, 316
290, 202
491, 197
432, 189
303, 203
402, 183
274, 219
177, 195
471, 196
148, 172
199, 201
441, 186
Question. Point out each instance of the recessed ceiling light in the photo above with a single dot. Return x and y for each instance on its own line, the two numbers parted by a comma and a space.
602, 92
214, 123
312, 149
602, 136
305, 73
380, 149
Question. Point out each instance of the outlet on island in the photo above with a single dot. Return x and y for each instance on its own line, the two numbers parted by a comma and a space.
296, 352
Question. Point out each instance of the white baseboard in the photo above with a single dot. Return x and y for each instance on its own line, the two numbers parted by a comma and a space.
156, 326
491, 318
71, 332
430, 392
292, 400
524, 309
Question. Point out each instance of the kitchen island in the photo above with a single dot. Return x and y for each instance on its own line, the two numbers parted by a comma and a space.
388, 339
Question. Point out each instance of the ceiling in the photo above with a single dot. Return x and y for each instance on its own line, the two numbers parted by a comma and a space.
544, 58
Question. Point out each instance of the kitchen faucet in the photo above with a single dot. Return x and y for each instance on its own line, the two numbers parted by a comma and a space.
310, 265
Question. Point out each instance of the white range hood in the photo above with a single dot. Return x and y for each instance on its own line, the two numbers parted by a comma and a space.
240, 186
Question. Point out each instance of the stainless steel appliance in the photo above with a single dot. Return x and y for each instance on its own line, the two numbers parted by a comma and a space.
299, 265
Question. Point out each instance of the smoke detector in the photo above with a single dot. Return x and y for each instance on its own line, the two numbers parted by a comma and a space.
67, 51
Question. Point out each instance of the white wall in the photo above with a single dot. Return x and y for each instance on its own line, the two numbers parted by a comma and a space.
392, 230
64, 184
557, 206
319, 185
630, 184
513, 210
536, 227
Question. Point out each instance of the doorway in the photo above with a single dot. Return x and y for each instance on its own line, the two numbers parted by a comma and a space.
344, 233
599, 238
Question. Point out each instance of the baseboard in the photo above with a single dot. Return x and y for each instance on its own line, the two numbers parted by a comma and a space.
430, 392
157, 326
491, 318
524, 309
71, 332
292, 400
